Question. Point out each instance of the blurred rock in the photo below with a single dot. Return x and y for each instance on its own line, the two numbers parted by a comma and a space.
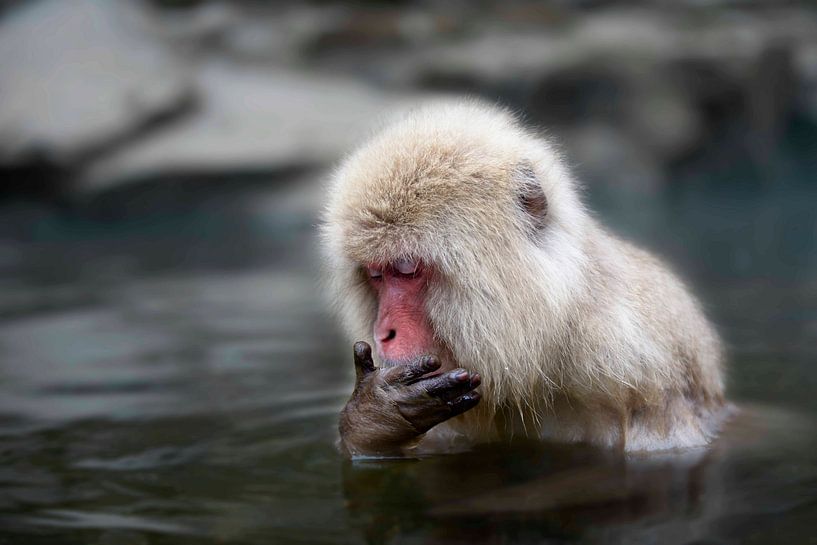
805, 62
108, 93
196, 28
251, 121
668, 83
598, 146
78, 78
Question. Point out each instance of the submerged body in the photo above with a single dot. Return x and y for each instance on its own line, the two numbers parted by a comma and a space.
455, 235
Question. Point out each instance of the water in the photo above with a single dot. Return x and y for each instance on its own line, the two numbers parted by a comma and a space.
169, 375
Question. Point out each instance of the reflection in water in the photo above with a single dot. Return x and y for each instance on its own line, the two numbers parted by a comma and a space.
180, 382
526, 492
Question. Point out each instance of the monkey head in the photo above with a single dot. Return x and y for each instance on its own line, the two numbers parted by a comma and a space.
455, 232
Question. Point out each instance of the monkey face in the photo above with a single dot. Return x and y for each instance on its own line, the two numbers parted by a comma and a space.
401, 331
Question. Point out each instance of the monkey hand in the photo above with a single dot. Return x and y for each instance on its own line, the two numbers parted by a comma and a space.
391, 408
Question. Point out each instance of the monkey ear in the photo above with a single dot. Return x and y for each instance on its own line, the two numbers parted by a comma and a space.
531, 197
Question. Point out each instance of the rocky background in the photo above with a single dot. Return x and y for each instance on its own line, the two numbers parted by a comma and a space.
103, 97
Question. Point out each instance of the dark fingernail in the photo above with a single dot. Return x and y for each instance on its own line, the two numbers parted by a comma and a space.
362, 349
476, 380
461, 375
466, 401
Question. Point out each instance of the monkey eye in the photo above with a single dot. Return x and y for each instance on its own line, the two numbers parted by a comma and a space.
406, 266
374, 272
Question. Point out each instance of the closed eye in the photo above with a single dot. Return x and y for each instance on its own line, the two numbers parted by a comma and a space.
406, 267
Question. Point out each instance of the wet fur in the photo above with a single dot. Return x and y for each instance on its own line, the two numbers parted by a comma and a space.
578, 335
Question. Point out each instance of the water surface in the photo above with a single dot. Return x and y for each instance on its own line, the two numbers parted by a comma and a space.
168, 374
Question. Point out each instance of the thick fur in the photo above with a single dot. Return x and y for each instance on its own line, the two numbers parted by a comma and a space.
578, 336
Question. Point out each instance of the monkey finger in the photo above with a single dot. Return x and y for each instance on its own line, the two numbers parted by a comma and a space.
425, 415
363, 360
411, 372
464, 403
451, 385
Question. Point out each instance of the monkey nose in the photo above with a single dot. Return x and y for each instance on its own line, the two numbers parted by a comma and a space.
385, 335
384, 338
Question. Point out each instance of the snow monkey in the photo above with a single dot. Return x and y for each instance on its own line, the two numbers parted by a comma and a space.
458, 247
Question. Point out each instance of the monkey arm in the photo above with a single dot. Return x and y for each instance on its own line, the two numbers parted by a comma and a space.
390, 409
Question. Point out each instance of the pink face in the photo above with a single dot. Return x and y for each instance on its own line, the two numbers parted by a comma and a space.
402, 331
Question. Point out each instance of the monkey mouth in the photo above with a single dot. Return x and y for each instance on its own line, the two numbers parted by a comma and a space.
389, 363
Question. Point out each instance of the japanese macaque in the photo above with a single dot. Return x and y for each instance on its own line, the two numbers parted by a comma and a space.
457, 247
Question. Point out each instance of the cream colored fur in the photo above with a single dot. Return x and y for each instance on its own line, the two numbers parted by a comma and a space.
578, 335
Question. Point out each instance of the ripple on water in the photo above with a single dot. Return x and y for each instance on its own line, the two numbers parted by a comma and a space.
65, 518
154, 458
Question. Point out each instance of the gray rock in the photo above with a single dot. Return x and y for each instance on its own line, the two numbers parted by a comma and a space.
806, 66
76, 77
251, 120
599, 145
